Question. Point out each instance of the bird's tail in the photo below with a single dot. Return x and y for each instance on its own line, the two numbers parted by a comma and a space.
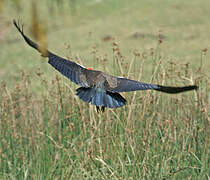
100, 98
30, 42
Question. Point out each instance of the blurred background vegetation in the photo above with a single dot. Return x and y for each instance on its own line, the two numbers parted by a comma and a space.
79, 28
47, 133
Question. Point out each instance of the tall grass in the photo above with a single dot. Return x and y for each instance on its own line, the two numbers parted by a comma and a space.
155, 136
54, 135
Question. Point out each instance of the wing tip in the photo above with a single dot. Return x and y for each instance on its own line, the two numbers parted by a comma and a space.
174, 90
17, 25
196, 87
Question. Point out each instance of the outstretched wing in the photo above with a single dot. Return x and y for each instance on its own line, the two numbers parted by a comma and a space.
77, 73
73, 71
126, 85
70, 69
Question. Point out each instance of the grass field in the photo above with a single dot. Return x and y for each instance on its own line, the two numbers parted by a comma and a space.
46, 132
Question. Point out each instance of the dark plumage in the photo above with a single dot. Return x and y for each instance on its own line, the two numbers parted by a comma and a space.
98, 88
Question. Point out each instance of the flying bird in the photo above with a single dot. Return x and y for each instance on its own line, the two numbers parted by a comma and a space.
97, 87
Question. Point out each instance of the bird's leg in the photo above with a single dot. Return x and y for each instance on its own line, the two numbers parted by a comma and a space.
100, 109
